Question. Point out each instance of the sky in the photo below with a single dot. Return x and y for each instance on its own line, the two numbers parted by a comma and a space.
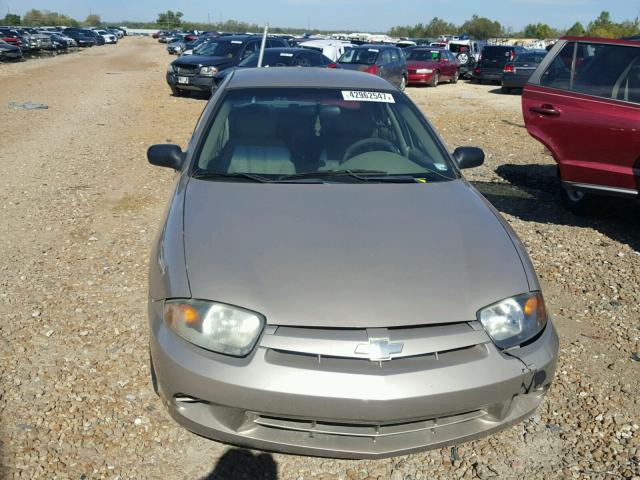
360, 15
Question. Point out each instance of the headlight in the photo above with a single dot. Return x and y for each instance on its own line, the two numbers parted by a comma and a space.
170, 68
424, 70
214, 326
514, 320
208, 71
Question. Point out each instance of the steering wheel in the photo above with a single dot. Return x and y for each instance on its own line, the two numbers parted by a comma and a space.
368, 145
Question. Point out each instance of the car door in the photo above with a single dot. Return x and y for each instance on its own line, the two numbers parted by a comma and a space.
385, 69
583, 103
451, 64
396, 65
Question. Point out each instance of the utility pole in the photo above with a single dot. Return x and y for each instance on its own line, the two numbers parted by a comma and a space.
262, 46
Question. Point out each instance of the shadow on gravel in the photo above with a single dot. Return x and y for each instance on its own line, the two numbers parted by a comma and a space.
513, 91
237, 464
533, 194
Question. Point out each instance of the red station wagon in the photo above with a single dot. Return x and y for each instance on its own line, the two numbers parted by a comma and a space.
583, 104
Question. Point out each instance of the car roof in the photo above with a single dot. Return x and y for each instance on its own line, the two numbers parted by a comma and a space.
617, 41
289, 50
306, 77
229, 38
374, 45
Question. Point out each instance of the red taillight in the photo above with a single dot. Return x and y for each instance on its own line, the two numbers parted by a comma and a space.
508, 69
372, 69
476, 70
332, 65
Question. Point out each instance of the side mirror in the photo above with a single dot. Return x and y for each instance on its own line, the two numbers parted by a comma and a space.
468, 157
166, 155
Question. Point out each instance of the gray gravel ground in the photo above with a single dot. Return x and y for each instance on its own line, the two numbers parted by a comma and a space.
80, 208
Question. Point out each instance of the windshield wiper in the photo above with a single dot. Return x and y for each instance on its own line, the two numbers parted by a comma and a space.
361, 175
202, 174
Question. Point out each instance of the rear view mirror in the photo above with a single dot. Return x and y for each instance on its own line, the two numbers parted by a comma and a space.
166, 155
468, 157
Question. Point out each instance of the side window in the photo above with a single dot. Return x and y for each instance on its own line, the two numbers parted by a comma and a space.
558, 74
605, 70
315, 59
302, 60
394, 56
385, 57
251, 47
275, 43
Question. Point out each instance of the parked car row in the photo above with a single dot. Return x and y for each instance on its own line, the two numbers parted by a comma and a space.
16, 42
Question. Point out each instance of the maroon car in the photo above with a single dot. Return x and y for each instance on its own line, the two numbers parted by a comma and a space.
583, 104
430, 66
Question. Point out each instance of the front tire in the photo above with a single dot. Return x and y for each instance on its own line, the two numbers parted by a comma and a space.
176, 92
403, 84
455, 78
577, 202
435, 79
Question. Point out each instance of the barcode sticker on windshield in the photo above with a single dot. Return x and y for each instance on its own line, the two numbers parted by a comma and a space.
375, 50
360, 96
286, 54
237, 42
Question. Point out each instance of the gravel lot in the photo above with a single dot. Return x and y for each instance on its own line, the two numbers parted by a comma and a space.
81, 206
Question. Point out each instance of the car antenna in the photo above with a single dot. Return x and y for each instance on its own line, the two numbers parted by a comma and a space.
262, 45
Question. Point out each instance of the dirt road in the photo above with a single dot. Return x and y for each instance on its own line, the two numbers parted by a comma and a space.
81, 206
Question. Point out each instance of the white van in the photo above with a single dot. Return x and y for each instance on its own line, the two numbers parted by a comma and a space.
332, 49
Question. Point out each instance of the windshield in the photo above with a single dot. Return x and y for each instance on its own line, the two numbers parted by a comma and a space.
322, 134
423, 55
496, 53
455, 48
270, 59
361, 56
220, 48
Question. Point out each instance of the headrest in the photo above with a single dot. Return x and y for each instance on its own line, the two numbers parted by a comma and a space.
252, 121
348, 123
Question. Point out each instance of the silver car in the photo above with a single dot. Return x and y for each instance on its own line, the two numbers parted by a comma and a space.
325, 282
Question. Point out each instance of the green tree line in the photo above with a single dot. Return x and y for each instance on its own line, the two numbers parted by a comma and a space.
483, 28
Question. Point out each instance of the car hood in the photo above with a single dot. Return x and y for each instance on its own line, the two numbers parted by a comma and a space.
349, 255
203, 60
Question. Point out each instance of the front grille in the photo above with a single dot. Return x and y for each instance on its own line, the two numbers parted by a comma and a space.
186, 70
354, 350
367, 430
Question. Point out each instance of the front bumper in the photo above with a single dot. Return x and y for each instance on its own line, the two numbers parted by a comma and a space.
488, 76
4, 55
299, 404
514, 81
420, 78
195, 83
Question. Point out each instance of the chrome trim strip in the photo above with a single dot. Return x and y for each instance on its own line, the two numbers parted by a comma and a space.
416, 341
602, 188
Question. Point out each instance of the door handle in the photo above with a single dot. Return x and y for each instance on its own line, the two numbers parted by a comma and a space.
546, 110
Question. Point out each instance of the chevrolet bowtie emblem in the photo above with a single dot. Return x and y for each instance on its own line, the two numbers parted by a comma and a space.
379, 348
